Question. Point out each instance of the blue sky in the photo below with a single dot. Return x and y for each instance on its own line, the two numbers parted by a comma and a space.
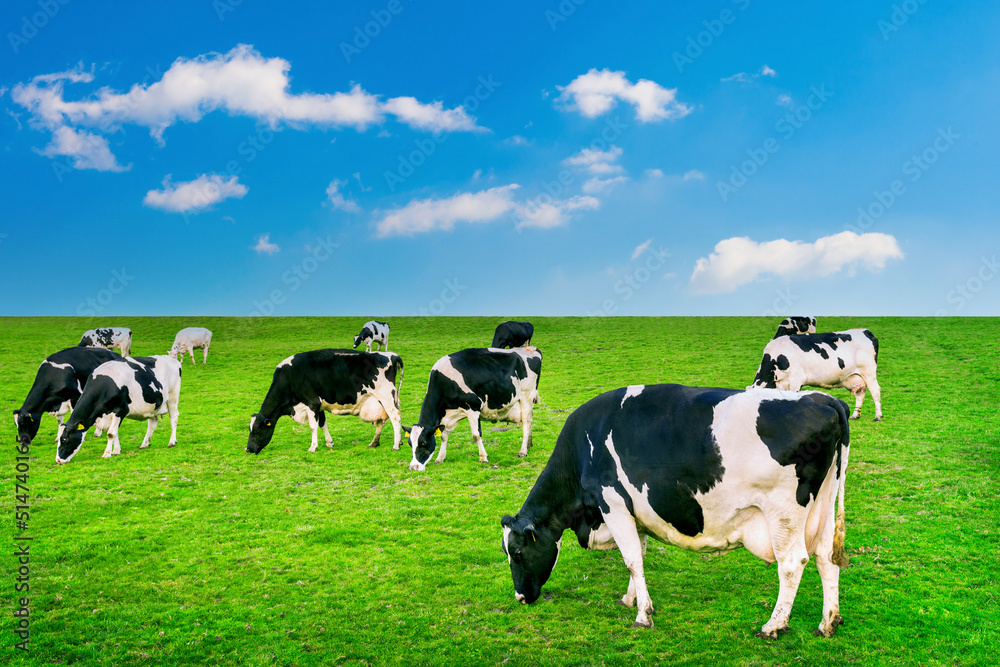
733, 158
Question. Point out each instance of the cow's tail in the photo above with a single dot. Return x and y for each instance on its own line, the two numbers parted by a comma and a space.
838, 555
399, 387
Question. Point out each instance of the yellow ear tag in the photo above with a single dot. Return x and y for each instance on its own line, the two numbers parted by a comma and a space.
533, 538
81, 427
437, 432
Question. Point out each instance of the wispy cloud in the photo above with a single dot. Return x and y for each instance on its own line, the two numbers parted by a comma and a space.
740, 260
743, 77
337, 200
694, 175
516, 140
85, 149
598, 91
264, 245
641, 248
596, 161
196, 195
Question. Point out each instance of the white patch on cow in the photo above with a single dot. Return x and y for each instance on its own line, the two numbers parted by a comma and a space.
286, 362
506, 545
414, 439
632, 390
252, 420
64, 367
445, 368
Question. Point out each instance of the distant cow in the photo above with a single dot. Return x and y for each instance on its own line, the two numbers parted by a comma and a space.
109, 338
373, 332
707, 470
847, 359
477, 384
190, 339
343, 382
58, 384
513, 334
140, 388
796, 325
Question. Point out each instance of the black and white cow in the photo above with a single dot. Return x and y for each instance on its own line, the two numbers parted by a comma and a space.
796, 325
708, 470
373, 332
343, 382
109, 338
847, 359
513, 334
58, 384
477, 384
188, 340
140, 388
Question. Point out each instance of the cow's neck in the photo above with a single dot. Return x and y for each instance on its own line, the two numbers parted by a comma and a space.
556, 500
276, 403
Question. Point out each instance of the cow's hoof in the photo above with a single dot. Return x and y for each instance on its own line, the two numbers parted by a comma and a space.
312, 450
521, 455
483, 459
171, 444
647, 626
146, 446
856, 415
621, 602
373, 445
877, 419
395, 448
772, 635
105, 456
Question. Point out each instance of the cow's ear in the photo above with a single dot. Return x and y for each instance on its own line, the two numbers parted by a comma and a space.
531, 532
406, 428
507, 521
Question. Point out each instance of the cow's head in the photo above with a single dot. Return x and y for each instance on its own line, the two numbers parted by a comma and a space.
532, 553
261, 432
423, 443
69, 441
357, 341
767, 372
27, 426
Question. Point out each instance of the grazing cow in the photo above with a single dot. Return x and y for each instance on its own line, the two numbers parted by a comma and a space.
188, 340
58, 384
109, 338
373, 332
342, 382
140, 388
491, 384
513, 334
708, 470
796, 325
847, 359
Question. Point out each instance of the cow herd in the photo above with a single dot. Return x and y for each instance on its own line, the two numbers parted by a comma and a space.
705, 469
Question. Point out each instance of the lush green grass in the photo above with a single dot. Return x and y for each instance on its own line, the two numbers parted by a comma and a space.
206, 554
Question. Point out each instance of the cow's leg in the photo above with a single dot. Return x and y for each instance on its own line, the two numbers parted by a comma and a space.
446, 428
326, 433
316, 419
396, 419
628, 600
788, 543
876, 391
150, 427
621, 524
527, 419
378, 433
204, 351
112, 437
477, 435
856, 385
174, 413
829, 574
191, 352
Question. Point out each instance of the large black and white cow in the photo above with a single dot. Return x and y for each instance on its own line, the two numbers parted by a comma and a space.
188, 340
108, 338
476, 384
708, 470
847, 359
343, 382
373, 332
513, 334
58, 384
796, 325
140, 388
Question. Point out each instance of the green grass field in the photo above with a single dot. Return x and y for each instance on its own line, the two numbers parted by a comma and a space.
204, 554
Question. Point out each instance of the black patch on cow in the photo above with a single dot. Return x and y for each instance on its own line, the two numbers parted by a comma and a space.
840, 362
487, 374
870, 336
152, 390
805, 433
512, 334
795, 325
53, 386
812, 342
664, 440
765, 374
782, 362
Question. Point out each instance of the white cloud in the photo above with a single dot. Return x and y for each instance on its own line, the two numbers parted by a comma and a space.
595, 161
767, 71
597, 185
654, 173
598, 91
516, 140
784, 100
743, 77
240, 82
195, 195
427, 215
476, 174
641, 248
740, 260
264, 245
694, 175
87, 150
336, 198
